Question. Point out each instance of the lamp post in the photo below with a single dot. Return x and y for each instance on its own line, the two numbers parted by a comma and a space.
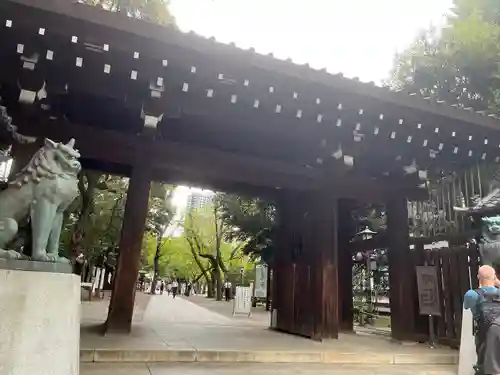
242, 272
370, 265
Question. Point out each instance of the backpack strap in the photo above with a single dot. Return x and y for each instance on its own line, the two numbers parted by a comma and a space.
485, 295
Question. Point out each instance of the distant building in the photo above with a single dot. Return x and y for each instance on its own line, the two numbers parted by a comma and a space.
198, 199
192, 200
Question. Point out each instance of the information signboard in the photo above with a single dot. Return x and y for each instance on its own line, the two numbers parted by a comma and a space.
260, 290
428, 290
242, 301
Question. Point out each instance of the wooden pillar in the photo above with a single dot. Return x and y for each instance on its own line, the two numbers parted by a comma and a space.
305, 274
282, 296
121, 307
269, 288
401, 281
346, 231
324, 270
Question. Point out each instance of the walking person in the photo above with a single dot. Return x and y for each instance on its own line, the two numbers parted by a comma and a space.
162, 287
169, 288
227, 290
484, 303
175, 287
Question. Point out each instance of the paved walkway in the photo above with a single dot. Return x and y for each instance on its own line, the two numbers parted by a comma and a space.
258, 369
182, 331
259, 317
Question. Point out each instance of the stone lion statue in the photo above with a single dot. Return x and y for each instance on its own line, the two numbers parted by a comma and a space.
485, 216
43, 189
489, 244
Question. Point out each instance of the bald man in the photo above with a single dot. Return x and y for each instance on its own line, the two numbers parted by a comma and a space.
487, 338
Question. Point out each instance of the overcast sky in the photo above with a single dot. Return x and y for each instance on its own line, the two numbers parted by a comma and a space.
355, 37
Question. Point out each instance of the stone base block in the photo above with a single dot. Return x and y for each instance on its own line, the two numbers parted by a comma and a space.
39, 319
266, 356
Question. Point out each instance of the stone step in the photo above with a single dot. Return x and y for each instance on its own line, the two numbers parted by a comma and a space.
260, 369
268, 356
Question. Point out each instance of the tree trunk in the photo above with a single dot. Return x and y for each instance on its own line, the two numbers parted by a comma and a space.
218, 284
211, 285
196, 258
87, 196
197, 278
156, 265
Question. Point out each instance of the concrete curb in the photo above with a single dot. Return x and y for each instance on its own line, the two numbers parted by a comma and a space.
260, 356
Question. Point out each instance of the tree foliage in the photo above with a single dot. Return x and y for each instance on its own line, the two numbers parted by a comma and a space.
203, 252
155, 11
93, 222
457, 64
160, 215
251, 221
175, 258
208, 236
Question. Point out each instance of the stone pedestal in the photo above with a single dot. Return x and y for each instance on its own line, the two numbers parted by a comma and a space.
39, 319
468, 357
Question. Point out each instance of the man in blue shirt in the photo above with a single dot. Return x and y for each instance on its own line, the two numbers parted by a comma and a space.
487, 343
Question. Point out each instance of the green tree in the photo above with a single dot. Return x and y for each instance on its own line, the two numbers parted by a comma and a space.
155, 11
160, 215
206, 232
92, 224
250, 221
175, 258
459, 63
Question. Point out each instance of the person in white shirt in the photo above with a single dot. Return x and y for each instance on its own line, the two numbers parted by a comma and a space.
227, 290
175, 287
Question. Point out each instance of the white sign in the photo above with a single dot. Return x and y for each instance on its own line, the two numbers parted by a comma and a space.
260, 290
243, 300
467, 358
274, 319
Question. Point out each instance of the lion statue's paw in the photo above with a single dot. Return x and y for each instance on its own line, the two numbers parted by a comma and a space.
58, 259
10, 254
42, 258
50, 258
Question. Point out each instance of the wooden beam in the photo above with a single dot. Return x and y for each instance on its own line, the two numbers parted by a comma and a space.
117, 147
175, 177
92, 142
345, 183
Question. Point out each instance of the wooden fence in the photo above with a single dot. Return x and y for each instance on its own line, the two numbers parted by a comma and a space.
457, 267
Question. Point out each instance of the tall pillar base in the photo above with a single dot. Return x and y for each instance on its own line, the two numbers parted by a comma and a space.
39, 318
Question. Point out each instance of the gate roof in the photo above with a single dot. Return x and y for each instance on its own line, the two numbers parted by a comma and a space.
115, 73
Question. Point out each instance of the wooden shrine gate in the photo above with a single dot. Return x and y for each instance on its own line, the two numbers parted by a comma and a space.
154, 104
